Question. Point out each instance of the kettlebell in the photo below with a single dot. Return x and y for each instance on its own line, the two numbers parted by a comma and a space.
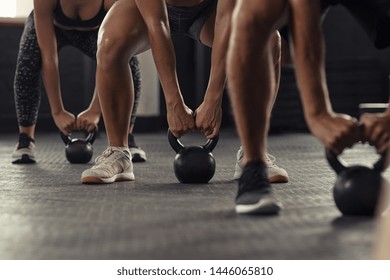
78, 150
357, 188
193, 164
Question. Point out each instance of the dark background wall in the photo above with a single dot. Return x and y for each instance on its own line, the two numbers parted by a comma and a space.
356, 71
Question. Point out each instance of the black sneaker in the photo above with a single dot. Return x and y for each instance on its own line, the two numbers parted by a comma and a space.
254, 191
24, 151
137, 154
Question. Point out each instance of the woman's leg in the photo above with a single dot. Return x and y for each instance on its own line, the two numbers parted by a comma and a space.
137, 154
27, 80
27, 93
87, 43
122, 35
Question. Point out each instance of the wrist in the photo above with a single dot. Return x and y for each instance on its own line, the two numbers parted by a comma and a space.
173, 99
215, 99
313, 115
94, 110
57, 111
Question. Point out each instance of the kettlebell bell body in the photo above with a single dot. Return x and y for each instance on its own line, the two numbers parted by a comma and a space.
193, 164
78, 150
357, 188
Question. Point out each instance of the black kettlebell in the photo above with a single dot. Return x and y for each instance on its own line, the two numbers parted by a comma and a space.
193, 164
357, 188
79, 150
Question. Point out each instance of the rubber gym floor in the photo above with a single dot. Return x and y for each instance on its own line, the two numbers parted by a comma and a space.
46, 213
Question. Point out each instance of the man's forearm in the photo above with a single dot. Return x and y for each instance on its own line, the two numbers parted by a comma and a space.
164, 58
222, 29
309, 56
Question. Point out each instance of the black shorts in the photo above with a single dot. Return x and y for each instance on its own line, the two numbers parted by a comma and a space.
189, 21
372, 15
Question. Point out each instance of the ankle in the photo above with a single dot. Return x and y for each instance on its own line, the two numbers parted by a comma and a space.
256, 163
25, 136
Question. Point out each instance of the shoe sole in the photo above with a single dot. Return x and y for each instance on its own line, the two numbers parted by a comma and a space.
278, 179
266, 206
25, 159
116, 178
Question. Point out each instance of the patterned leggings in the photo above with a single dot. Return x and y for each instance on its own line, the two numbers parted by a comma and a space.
28, 69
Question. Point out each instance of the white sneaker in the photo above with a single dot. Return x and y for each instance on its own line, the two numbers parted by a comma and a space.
114, 165
24, 151
276, 174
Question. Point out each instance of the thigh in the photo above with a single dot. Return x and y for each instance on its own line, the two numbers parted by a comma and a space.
271, 12
29, 53
124, 29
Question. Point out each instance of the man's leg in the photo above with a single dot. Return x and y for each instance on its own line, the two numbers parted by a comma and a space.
122, 36
252, 85
276, 174
215, 33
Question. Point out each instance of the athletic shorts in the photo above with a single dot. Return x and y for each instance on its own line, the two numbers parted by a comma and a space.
188, 21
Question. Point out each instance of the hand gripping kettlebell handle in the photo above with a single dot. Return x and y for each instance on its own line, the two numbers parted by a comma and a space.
67, 139
177, 146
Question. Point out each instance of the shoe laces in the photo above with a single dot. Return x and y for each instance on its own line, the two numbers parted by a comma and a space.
106, 160
106, 154
109, 151
270, 160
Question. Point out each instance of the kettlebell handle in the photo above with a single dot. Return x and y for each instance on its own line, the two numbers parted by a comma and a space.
177, 146
338, 166
91, 137
175, 143
67, 139
211, 143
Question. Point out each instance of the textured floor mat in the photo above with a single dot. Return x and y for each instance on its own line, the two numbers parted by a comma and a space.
46, 213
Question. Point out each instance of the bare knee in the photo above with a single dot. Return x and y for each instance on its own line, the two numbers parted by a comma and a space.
259, 17
113, 50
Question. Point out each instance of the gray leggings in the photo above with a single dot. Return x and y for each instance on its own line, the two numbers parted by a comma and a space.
28, 69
